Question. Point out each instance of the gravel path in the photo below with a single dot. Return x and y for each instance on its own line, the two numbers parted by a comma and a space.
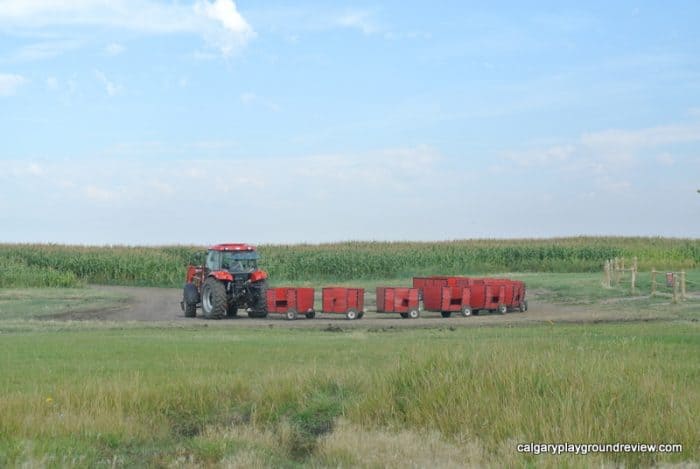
163, 305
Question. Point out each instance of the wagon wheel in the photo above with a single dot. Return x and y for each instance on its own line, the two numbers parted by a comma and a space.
413, 314
291, 314
311, 314
502, 309
351, 314
360, 314
446, 314
521, 307
466, 311
404, 315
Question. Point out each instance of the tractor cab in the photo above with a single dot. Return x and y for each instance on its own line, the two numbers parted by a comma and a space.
235, 262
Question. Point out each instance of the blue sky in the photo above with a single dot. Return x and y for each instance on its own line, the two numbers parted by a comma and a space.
146, 122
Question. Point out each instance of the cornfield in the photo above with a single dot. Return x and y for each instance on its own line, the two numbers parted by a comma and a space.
60, 265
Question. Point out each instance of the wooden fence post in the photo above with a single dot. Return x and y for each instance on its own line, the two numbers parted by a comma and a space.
675, 289
606, 270
653, 281
683, 285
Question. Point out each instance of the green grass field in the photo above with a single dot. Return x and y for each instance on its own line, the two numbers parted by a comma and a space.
85, 396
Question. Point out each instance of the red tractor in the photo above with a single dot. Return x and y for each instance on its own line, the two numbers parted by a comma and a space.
228, 280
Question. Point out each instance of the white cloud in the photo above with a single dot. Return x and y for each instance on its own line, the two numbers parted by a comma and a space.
249, 98
114, 49
649, 137
111, 88
217, 21
666, 159
234, 31
52, 83
9, 83
543, 156
225, 12
358, 19
35, 169
45, 49
289, 21
100, 194
609, 148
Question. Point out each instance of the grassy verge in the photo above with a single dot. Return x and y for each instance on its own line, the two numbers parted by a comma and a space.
198, 396
34, 303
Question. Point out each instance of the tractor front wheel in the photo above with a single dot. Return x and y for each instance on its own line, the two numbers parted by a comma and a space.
214, 303
190, 297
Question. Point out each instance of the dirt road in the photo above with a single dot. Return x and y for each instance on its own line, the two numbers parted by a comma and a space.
163, 305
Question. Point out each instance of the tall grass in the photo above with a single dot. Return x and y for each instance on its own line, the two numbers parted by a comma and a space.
280, 398
165, 266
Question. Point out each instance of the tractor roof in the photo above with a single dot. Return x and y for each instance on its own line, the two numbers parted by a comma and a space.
232, 247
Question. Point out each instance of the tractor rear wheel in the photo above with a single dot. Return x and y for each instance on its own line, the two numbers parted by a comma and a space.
311, 314
214, 302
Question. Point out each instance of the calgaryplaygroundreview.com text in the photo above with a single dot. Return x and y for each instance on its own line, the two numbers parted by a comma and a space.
588, 448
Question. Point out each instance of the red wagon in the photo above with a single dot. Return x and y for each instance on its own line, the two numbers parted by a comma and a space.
404, 301
447, 294
340, 300
505, 295
291, 302
429, 289
455, 299
470, 295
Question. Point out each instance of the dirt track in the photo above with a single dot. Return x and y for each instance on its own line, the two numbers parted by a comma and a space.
163, 305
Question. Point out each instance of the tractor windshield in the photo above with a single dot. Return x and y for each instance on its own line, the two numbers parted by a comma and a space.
240, 261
